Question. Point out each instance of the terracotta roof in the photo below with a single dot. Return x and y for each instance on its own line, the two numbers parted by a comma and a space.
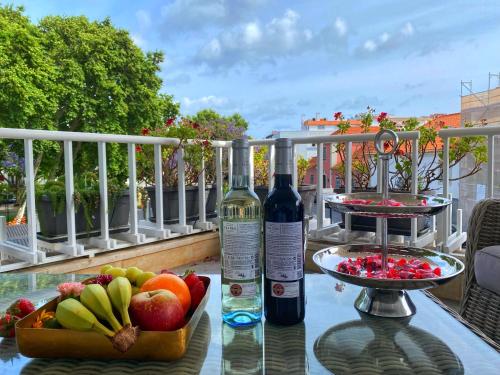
439, 121
358, 130
326, 122
312, 162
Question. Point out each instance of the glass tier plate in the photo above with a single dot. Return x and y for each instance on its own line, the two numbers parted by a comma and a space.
328, 260
412, 204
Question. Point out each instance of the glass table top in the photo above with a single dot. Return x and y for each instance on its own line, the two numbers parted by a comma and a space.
333, 338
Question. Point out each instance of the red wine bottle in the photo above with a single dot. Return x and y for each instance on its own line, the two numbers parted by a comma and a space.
284, 300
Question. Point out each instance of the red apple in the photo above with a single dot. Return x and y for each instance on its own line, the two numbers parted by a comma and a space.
157, 310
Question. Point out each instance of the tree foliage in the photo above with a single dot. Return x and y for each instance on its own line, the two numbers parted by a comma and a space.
72, 74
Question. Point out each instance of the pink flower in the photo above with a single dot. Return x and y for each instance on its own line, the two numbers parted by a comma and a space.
169, 122
70, 289
138, 149
145, 131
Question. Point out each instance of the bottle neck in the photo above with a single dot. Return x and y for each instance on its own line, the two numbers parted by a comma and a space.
240, 181
241, 167
282, 181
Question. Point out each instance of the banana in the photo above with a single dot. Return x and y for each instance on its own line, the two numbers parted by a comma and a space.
95, 298
120, 293
71, 314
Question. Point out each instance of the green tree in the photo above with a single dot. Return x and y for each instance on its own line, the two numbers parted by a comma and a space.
27, 74
302, 167
71, 74
105, 84
27, 93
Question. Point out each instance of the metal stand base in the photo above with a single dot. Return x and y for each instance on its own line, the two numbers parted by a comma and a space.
385, 303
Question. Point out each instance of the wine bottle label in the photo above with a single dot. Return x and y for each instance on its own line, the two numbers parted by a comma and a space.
285, 290
284, 251
241, 243
243, 290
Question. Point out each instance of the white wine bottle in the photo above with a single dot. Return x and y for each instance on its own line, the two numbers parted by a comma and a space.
240, 238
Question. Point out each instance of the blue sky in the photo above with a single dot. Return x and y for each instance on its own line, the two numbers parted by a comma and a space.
274, 61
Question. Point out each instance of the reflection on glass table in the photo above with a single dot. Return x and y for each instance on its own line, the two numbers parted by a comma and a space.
242, 350
432, 339
379, 346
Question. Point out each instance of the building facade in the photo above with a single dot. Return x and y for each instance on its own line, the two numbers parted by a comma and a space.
479, 109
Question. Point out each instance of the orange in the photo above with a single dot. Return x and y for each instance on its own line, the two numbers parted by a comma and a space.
173, 283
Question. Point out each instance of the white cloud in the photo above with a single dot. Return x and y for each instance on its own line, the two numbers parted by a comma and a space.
308, 34
252, 42
408, 29
340, 26
387, 41
193, 16
252, 33
143, 18
370, 45
210, 100
384, 37
138, 40
212, 50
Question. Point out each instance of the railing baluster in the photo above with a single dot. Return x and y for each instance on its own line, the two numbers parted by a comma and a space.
133, 234
251, 170
202, 222
158, 187
446, 188
201, 193
159, 229
459, 222
219, 177
295, 172
320, 206
378, 234
103, 189
348, 180
414, 186
30, 200
132, 188
103, 241
70, 202
491, 166
230, 166
181, 185
271, 167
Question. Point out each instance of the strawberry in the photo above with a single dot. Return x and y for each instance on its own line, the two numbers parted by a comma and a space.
197, 292
7, 323
21, 308
190, 278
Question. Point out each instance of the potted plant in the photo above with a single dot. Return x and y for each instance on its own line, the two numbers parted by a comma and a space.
206, 125
261, 178
364, 161
50, 201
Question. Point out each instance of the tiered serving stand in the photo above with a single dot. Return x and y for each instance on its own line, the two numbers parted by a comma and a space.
382, 296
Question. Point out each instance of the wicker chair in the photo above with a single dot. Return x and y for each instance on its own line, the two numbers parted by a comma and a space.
480, 306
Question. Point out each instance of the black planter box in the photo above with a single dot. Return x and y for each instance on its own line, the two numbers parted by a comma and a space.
171, 203
307, 194
53, 226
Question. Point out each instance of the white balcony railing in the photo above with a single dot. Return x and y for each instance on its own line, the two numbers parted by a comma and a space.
142, 231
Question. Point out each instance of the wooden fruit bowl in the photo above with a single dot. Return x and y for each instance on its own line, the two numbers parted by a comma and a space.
65, 343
